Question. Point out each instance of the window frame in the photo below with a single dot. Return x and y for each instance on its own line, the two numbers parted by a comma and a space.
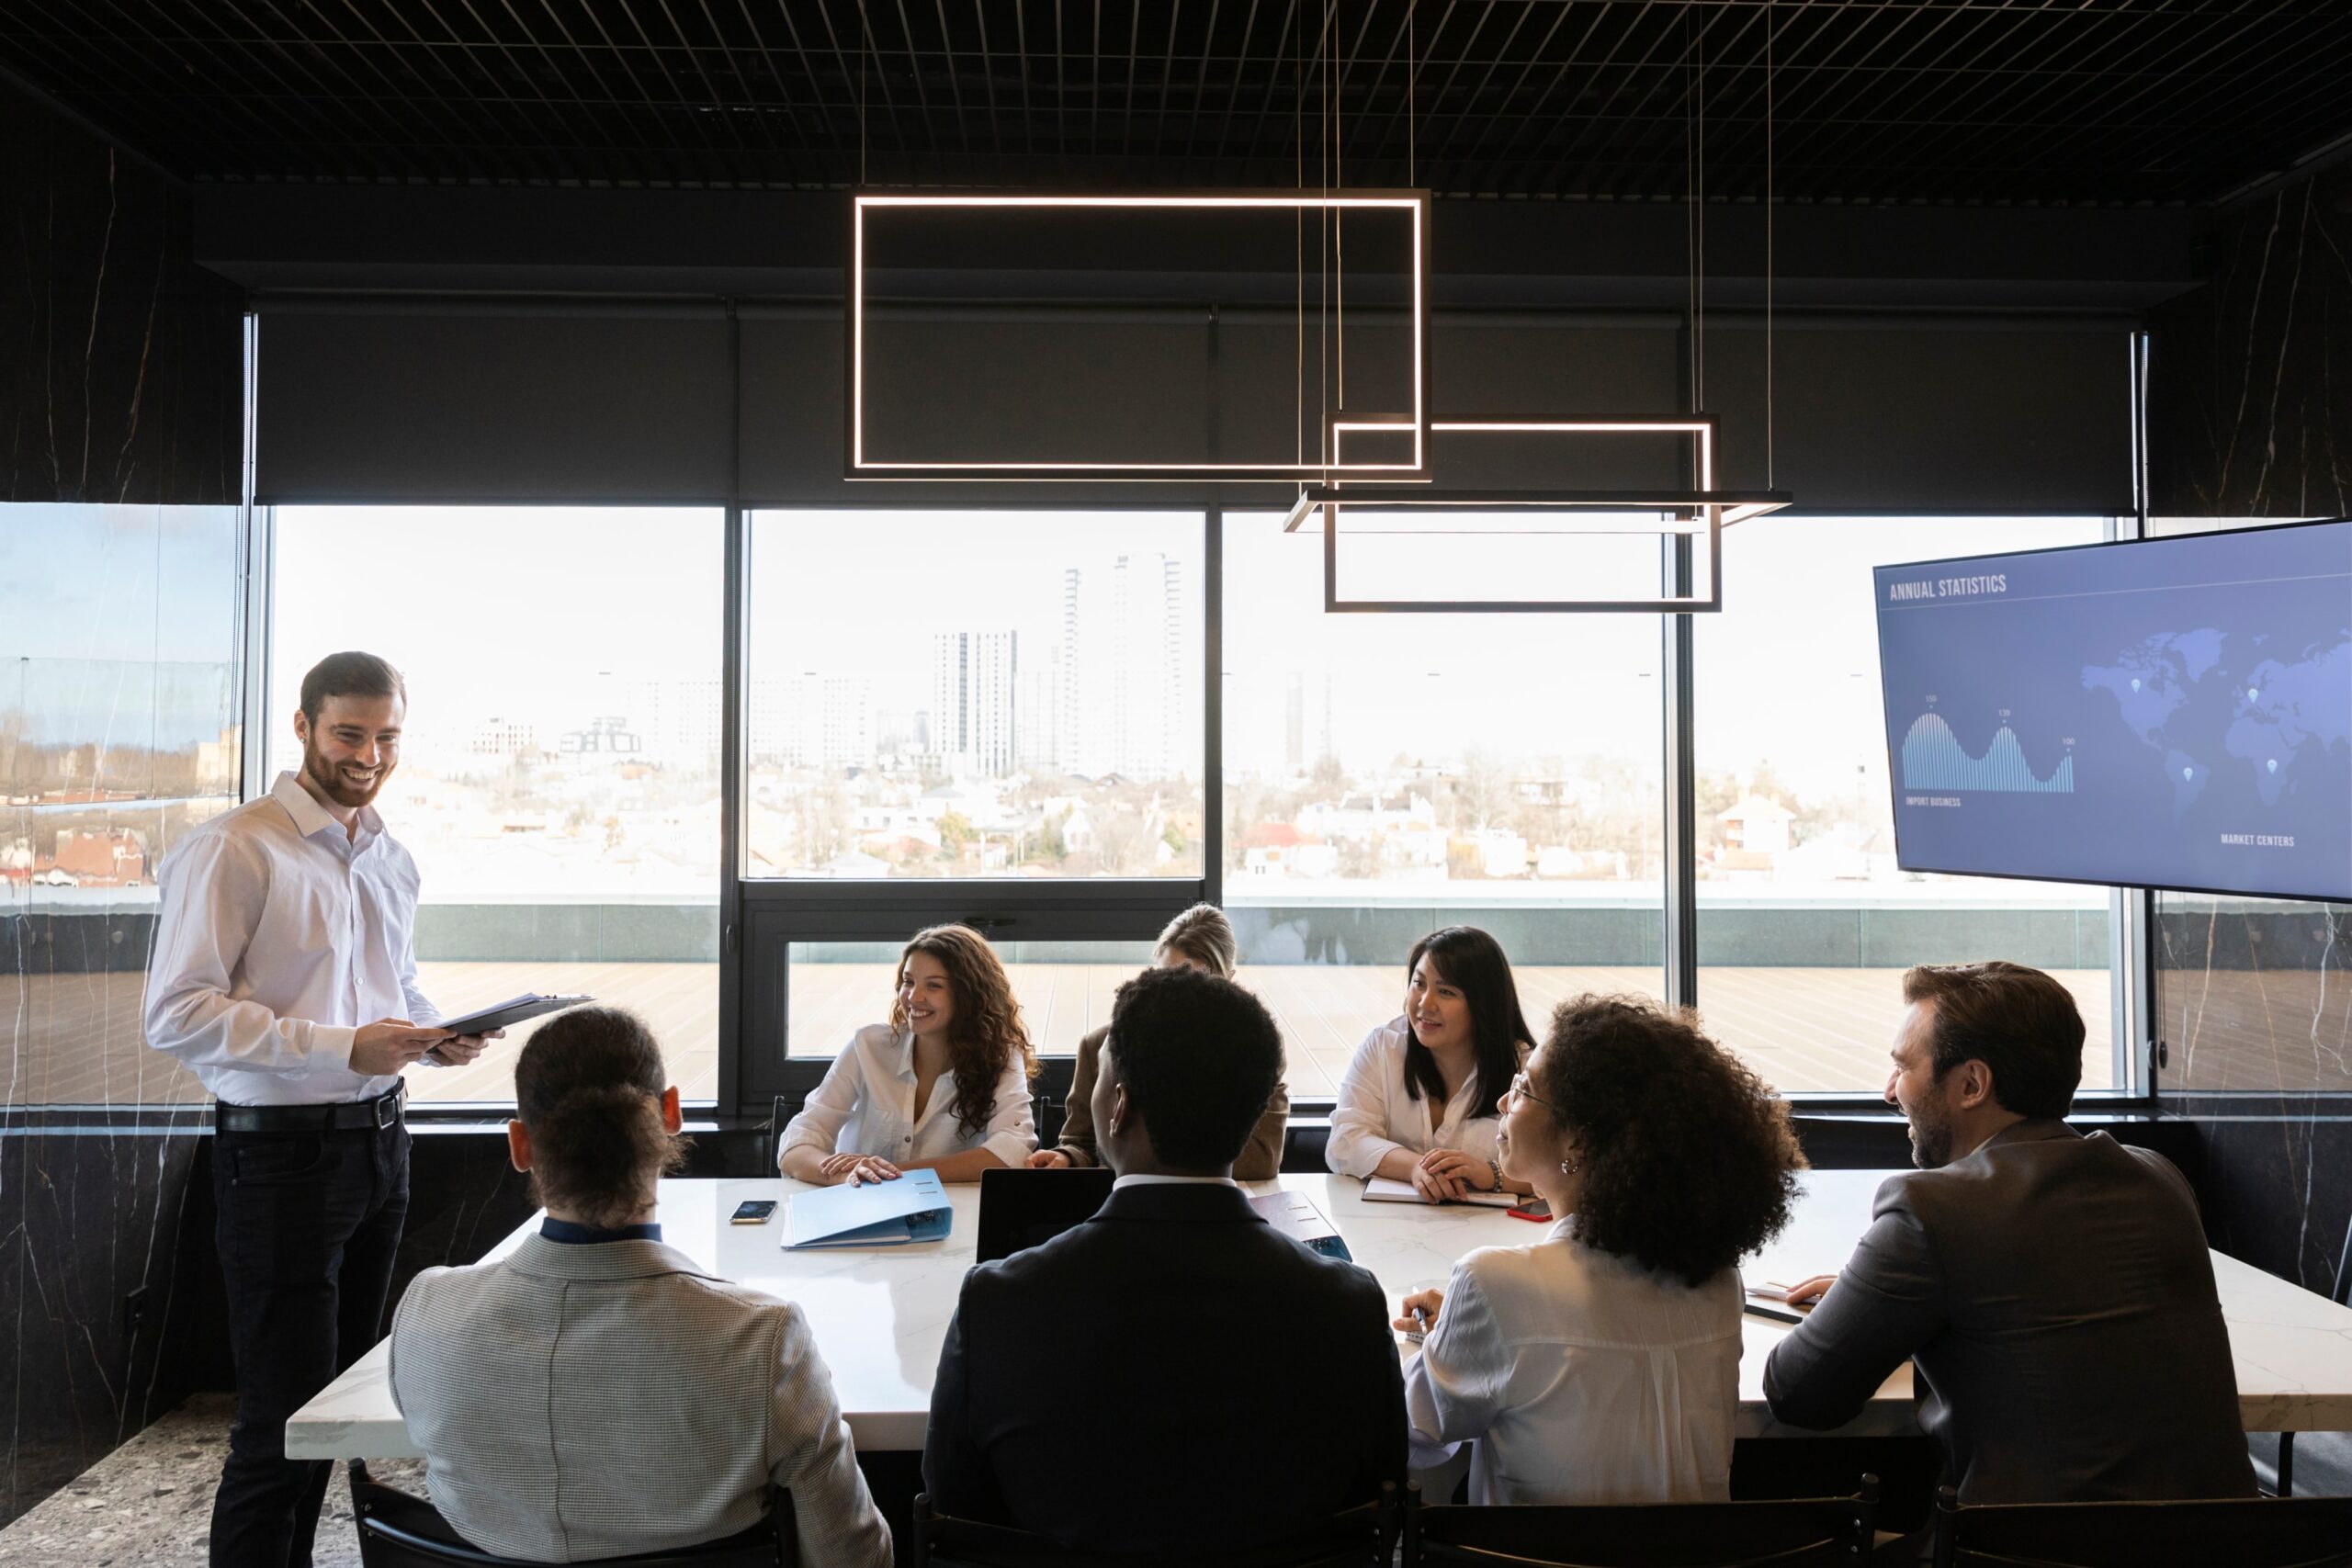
761, 917
758, 917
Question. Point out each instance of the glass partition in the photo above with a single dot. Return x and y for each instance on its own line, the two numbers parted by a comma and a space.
120, 670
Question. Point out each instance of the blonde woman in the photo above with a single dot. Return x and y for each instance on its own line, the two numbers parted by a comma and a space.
943, 1086
1200, 938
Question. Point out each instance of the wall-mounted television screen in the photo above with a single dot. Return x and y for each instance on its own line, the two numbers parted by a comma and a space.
2160, 713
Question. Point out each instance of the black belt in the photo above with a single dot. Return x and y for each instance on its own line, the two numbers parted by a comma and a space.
350, 1116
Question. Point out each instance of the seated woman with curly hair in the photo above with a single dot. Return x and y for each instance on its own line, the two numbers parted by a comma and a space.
1601, 1364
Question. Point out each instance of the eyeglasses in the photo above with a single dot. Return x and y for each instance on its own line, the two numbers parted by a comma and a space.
1518, 1090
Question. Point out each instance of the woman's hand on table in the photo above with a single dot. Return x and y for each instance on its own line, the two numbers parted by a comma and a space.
854, 1169
1467, 1172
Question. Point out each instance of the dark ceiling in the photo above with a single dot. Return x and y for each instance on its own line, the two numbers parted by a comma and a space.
2000, 101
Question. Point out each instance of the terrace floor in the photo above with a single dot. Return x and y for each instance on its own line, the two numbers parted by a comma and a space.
75, 1039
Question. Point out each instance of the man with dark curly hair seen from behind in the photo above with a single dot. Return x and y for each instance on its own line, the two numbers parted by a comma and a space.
2052, 1290
1601, 1364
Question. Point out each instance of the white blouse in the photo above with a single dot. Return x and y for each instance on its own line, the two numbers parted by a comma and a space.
866, 1105
1585, 1378
1373, 1114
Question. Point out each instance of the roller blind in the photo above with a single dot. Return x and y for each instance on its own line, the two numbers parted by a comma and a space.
1965, 415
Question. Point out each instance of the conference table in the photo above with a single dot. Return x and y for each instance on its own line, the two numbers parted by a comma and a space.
879, 1315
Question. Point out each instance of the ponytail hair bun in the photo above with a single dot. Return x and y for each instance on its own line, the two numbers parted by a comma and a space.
588, 1089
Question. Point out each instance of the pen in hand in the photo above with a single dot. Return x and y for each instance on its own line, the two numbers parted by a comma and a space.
1421, 1318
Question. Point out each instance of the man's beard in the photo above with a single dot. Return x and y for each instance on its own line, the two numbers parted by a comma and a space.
1930, 1142
330, 779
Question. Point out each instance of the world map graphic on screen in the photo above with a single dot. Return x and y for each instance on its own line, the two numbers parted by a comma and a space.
2172, 713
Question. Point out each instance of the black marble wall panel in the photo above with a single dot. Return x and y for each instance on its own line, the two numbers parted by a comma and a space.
2254, 1002
99, 1295
2250, 378
120, 359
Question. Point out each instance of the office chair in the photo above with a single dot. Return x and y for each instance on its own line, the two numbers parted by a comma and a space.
2243, 1533
1362, 1536
801, 1075
1051, 1093
1806, 1532
396, 1530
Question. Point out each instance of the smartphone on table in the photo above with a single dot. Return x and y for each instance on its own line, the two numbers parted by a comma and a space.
753, 1211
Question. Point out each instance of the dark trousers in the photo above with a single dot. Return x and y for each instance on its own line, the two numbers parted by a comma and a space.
309, 1227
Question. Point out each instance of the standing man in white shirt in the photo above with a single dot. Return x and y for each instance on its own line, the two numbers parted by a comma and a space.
284, 976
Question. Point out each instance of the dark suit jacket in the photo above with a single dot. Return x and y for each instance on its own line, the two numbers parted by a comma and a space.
2056, 1296
1175, 1374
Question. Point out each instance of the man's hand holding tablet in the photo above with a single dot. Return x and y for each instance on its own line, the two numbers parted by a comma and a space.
471, 1032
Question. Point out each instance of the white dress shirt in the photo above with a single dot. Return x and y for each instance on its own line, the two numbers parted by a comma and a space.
279, 936
1585, 1378
866, 1105
1373, 1114
1175, 1181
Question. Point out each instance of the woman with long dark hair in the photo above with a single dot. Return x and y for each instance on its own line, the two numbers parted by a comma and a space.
944, 1086
1418, 1102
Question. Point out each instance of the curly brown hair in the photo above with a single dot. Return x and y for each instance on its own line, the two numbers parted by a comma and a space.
987, 1031
1688, 1158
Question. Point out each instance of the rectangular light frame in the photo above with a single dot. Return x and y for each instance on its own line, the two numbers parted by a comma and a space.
1697, 513
1703, 510
1415, 201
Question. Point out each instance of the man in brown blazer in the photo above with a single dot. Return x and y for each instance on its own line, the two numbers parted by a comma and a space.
2052, 1290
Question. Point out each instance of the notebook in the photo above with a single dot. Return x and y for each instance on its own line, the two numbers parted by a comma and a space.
1295, 1215
1388, 1190
874, 1214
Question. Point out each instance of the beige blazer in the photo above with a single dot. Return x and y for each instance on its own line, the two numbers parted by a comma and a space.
1260, 1161
585, 1401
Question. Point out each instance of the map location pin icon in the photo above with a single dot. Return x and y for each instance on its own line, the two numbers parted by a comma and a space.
2274, 764
2187, 774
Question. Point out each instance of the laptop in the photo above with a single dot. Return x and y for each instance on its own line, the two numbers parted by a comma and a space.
1021, 1208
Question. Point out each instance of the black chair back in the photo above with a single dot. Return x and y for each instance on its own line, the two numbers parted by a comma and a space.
2241, 1533
1364, 1537
1806, 1532
800, 1077
1050, 1090
396, 1530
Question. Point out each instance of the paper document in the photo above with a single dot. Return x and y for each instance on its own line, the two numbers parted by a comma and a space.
878, 1214
1387, 1189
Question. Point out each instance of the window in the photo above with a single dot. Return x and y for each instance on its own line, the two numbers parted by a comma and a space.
559, 783
120, 670
1806, 924
975, 694
1389, 775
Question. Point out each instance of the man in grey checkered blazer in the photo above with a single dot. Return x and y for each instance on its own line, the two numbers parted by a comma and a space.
595, 1393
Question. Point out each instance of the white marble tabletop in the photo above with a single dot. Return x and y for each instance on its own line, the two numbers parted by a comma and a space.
880, 1315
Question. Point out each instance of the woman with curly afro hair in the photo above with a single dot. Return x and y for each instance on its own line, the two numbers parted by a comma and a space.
944, 1086
1601, 1363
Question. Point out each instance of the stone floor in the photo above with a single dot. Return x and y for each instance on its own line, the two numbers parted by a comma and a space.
147, 1504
